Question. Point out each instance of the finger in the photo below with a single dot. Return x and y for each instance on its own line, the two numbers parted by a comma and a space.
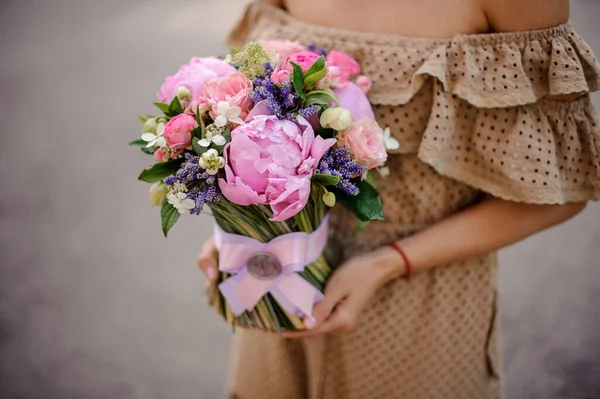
207, 260
334, 293
343, 318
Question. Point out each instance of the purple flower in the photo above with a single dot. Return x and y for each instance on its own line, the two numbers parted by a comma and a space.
202, 187
281, 99
338, 162
321, 51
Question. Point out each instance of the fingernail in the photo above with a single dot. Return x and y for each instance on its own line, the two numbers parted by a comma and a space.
310, 322
211, 272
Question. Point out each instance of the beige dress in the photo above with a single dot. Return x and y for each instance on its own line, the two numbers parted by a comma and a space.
471, 118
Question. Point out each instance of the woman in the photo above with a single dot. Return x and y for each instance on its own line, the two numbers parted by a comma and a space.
489, 100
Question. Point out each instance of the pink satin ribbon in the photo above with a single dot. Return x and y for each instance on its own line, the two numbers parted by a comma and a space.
294, 251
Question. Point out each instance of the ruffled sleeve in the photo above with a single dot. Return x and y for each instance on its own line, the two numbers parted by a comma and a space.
493, 127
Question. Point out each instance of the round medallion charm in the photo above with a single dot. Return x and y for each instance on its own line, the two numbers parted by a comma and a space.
264, 266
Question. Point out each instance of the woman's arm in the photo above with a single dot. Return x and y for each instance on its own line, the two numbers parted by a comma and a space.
487, 226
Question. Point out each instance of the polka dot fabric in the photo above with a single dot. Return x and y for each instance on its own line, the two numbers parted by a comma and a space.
472, 116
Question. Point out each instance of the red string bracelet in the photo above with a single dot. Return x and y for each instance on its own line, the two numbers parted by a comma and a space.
407, 264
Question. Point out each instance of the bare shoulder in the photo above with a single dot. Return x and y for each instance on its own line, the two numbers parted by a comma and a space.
522, 15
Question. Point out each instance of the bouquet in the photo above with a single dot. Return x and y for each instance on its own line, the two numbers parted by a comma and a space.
267, 140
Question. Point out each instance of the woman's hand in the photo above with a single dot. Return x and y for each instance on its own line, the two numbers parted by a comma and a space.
349, 290
207, 261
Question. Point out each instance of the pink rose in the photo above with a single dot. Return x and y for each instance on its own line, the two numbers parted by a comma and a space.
178, 131
270, 161
234, 89
283, 48
164, 154
160, 155
365, 140
280, 75
355, 100
347, 65
304, 59
192, 76
364, 83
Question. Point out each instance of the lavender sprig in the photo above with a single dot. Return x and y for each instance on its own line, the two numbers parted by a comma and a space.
201, 187
281, 100
321, 51
338, 162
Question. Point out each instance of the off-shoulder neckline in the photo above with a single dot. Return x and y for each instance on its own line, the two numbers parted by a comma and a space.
475, 39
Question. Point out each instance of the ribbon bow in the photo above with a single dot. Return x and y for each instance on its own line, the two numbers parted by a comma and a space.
272, 267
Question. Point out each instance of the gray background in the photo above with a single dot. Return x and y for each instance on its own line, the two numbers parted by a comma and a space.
95, 303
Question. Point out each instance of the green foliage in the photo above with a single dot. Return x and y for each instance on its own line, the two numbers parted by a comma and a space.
169, 216
172, 109
160, 171
366, 205
142, 146
297, 79
316, 72
319, 97
325, 180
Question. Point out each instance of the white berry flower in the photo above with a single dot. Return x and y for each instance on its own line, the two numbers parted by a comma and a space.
180, 202
157, 139
211, 161
390, 142
384, 171
212, 136
226, 114
336, 118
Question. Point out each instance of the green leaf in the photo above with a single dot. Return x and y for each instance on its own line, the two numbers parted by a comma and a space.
297, 79
198, 148
142, 145
161, 170
370, 178
202, 128
175, 107
312, 79
360, 225
227, 134
197, 132
317, 66
366, 205
326, 180
169, 216
319, 97
143, 118
138, 143
163, 107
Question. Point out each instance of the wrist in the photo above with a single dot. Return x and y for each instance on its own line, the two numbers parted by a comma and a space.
389, 264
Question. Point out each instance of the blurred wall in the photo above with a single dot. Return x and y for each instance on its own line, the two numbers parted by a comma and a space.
96, 304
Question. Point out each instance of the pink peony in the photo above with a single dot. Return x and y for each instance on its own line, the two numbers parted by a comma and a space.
192, 76
355, 100
364, 83
283, 48
234, 89
304, 59
270, 161
365, 140
178, 131
347, 65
